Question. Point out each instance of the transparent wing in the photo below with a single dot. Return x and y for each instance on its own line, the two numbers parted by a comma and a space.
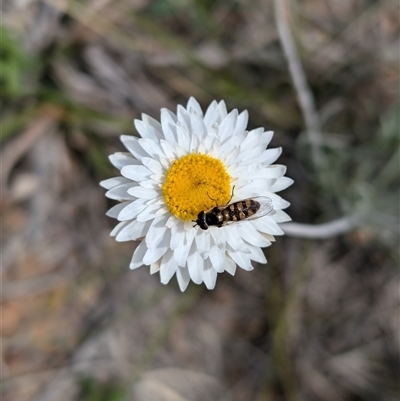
266, 208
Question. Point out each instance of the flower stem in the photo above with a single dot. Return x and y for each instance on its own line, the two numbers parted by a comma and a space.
321, 231
304, 94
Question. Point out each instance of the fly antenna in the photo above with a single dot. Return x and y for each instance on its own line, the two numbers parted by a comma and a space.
216, 203
233, 190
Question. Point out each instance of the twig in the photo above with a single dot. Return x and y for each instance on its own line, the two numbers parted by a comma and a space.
304, 94
35, 286
16, 148
321, 231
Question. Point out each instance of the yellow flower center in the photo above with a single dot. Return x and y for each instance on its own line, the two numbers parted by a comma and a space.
194, 183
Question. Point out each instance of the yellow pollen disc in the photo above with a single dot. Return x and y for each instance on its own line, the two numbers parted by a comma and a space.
194, 183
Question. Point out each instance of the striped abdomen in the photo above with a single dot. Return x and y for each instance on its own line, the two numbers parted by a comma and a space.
240, 210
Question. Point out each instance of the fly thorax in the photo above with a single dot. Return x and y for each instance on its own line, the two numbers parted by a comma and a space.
214, 217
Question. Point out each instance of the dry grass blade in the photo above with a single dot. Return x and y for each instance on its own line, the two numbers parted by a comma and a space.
177, 385
16, 148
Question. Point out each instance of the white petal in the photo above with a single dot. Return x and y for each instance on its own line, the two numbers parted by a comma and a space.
257, 138
155, 124
190, 232
203, 243
163, 210
155, 267
227, 126
133, 231
137, 258
241, 260
153, 165
177, 236
153, 254
136, 173
149, 213
209, 275
232, 157
215, 149
209, 141
267, 137
281, 184
195, 265
168, 267
234, 239
239, 138
132, 210
183, 137
201, 148
253, 188
179, 151
226, 148
182, 275
168, 149
194, 104
165, 162
121, 192
250, 156
239, 183
150, 146
115, 210
246, 191
181, 254
113, 182
118, 228
256, 173
168, 123
150, 184
275, 171
132, 144
280, 216
241, 122
267, 225
122, 159
183, 117
222, 110
212, 115
249, 233
270, 155
156, 232
194, 143
217, 258
155, 201
218, 236
145, 130
257, 254
269, 237
158, 178
198, 126
172, 222
253, 139
144, 193
277, 201
230, 266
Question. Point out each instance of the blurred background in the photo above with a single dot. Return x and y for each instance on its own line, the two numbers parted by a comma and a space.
319, 322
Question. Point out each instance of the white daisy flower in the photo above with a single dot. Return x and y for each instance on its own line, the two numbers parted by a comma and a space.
189, 163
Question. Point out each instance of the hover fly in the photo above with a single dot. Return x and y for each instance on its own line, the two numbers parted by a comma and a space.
247, 209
